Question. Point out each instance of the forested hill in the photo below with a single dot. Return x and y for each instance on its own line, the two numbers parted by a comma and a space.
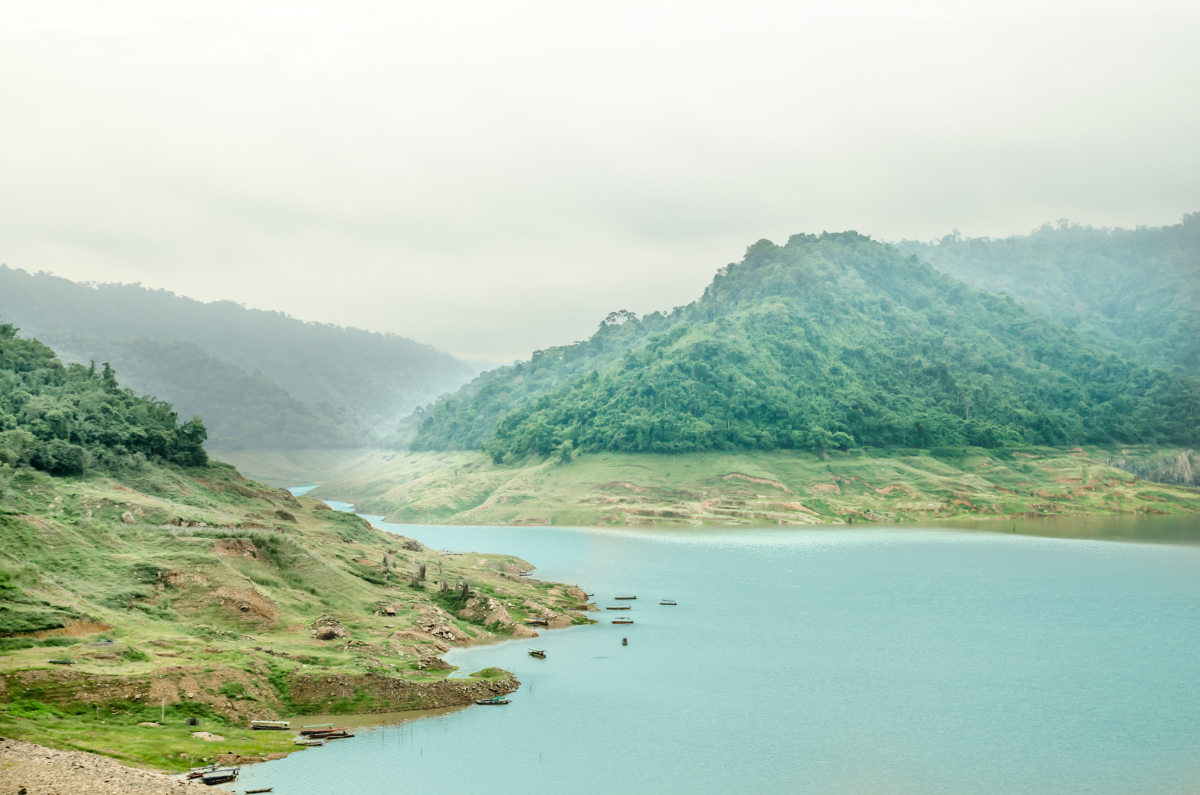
260, 379
1136, 291
830, 341
66, 420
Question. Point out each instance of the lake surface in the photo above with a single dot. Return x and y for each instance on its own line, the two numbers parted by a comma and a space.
816, 661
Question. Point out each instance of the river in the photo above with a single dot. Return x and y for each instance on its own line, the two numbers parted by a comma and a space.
881, 660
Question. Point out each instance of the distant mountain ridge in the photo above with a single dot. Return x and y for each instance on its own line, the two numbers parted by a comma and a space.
833, 340
1133, 291
258, 378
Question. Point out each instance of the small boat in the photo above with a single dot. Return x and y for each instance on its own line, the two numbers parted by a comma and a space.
495, 700
540, 654
270, 725
624, 597
62, 662
537, 622
197, 772
618, 607
259, 791
307, 741
219, 776
667, 602
623, 621
317, 728
327, 734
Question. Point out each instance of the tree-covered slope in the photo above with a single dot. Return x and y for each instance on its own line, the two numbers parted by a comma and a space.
240, 409
830, 341
1136, 292
374, 378
65, 419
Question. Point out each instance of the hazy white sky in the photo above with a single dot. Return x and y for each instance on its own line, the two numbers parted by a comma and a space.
495, 177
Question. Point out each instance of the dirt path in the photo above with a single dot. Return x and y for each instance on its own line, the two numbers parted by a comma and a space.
37, 770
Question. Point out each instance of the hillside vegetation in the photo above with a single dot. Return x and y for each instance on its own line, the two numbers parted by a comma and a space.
64, 419
830, 342
1134, 291
176, 587
771, 487
259, 378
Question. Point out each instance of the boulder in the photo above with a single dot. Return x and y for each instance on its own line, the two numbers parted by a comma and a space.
575, 592
127, 518
522, 631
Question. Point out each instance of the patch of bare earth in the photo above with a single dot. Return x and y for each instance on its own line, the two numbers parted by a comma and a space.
36, 770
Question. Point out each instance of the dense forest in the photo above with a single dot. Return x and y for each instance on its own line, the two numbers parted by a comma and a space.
1136, 292
68, 419
285, 383
832, 341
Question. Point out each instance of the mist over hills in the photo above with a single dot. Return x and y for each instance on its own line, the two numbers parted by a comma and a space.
258, 378
830, 341
1134, 291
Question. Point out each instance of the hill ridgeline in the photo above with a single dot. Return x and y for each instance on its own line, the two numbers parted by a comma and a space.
830, 341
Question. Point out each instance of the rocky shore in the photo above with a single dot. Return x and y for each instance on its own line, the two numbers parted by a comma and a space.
29, 769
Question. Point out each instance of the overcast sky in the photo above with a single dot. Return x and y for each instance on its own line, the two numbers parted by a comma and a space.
495, 177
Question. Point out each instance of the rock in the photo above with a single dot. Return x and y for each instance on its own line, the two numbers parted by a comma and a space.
329, 628
284, 515
208, 738
320, 506
127, 518
575, 592
522, 631
485, 610
152, 724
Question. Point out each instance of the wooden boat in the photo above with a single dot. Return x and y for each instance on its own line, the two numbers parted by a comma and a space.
623, 621
624, 597
327, 734
316, 728
494, 701
270, 725
259, 791
541, 655
340, 734
618, 607
197, 772
667, 602
307, 741
219, 776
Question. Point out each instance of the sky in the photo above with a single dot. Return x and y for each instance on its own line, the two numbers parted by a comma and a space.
493, 178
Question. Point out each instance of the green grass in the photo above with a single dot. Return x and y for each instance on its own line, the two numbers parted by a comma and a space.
758, 488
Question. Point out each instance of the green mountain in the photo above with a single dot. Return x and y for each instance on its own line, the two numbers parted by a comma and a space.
832, 341
67, 419
1136, 292
262, 378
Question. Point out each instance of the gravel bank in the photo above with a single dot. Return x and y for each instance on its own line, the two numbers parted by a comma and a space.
45, 771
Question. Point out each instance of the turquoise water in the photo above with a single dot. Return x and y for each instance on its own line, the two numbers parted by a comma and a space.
817, 661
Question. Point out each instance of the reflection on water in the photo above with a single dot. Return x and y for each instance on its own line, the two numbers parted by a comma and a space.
837, 660
1175, 529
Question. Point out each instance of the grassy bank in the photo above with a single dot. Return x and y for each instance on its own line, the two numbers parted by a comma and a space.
199, 593
756, 488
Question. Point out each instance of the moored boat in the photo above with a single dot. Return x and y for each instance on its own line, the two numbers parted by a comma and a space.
493, 701
270, 725
618, 607
623, 621
667, 602
219, 776
308, 741
539, 653
625, 597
